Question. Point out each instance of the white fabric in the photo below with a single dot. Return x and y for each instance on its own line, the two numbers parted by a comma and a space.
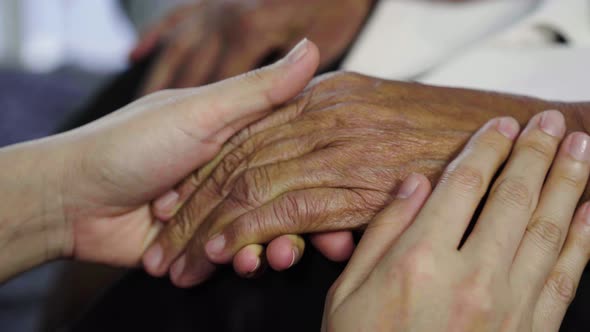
502, 45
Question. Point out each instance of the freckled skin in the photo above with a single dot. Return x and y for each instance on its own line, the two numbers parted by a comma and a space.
330, 159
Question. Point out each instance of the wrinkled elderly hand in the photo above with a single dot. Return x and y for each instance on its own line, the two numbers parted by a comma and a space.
329, 160
214, 39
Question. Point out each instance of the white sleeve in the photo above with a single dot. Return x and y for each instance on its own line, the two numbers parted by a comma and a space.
406, 38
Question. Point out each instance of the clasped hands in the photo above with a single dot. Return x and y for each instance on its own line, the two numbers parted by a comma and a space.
324, 163
334, 159
327, 162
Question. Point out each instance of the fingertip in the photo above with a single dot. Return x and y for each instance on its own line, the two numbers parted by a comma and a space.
284, 252
164, 207
248, 261
152, 261
216, 250
335, 246
185, 274
414, 184
302, 62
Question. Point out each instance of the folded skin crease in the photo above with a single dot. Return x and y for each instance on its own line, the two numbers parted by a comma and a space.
330, 160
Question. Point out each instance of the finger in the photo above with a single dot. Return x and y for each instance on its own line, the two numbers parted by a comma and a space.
248, 262
307, 211
214, 190
335, 246
285, 251
231, 100
464, 183
266, 145
173, 239
176, 52
382, 233
156, 32
254, 93
186, 272
560, 288
210, 195
200, 65
549, 225
258, 186
163, 205
515, 193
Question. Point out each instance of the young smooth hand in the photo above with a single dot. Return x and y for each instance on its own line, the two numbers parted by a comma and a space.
518, 269
86, 194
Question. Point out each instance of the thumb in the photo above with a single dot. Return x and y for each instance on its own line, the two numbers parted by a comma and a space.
221, 109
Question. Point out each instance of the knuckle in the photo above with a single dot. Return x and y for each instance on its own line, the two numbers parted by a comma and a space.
477, 293
373, 201
251, 188
539, 148
228, 169
546, 234
572, 180
479, 297
514, 193
179, 232
231, 162
415, 267
491, 144
289, 211
246, 228
561, 287
465, 178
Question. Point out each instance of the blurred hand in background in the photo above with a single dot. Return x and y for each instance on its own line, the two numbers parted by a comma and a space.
210, 40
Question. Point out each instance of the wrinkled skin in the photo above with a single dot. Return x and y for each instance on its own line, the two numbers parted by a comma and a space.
210, 40
329, 160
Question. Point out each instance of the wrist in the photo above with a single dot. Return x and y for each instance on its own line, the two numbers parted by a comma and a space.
32, 223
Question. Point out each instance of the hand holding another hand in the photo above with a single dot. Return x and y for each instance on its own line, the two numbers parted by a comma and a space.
519, 268
327, 161
116, 166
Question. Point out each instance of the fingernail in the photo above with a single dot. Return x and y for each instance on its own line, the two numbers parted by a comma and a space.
178, 268
153, 257
552, 123
409, 187
168, 202
255, 268
215, 246
508, 127
578, 147
295, 254
298, 52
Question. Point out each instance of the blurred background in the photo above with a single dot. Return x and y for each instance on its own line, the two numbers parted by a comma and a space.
54, 55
